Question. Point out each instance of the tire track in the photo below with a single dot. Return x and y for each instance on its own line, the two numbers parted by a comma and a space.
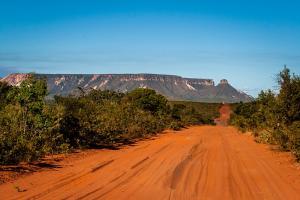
68, 181
199, 163
133, 167
179, 169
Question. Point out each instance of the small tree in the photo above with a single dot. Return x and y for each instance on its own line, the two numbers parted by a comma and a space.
289, 96
24, 122
148, 100
4, 90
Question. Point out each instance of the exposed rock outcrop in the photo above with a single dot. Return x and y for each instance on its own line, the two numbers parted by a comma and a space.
173, 87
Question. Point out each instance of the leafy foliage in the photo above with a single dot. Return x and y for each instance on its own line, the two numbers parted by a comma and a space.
4, 89
208, 111
274, 118
189, 113
25, 125
30, 127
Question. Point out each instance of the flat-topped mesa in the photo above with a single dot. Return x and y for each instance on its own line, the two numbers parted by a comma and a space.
146, 77
172, 86
223, 82
197, 81
120, 77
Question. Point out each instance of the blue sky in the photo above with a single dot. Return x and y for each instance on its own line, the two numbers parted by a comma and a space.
246, 42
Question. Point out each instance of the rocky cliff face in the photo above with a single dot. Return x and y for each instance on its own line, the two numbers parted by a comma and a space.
15, 79
173, 87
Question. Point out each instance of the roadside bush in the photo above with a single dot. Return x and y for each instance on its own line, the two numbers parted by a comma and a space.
31, 128
294, 138
274, 118
182, 115
4, 89
148, 100
24, 124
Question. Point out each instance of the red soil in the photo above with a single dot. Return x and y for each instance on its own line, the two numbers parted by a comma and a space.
225, 112
204, 162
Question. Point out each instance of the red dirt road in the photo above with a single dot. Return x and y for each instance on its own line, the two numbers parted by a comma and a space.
204, 162
225, 112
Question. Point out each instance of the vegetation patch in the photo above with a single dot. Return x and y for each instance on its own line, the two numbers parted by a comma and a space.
31, 127
274, 118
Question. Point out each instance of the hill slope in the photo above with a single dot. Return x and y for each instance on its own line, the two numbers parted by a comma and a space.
173, 87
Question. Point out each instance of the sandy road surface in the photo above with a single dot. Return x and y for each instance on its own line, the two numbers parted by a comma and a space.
197, 163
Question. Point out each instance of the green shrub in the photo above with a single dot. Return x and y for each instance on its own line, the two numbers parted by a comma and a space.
31, 128
274, 118
294, 138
